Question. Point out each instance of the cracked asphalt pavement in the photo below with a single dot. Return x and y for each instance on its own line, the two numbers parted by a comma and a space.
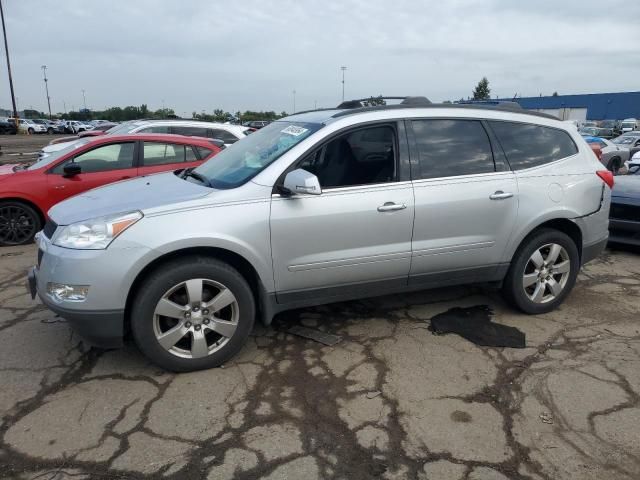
390, 400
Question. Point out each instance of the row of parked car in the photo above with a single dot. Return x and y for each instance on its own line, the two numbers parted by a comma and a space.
41, 125
104, 154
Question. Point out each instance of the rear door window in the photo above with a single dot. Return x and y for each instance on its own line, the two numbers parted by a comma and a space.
450, 148
527, 145
189, 131
163, 153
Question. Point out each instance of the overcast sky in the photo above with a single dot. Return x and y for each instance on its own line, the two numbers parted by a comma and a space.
251, 54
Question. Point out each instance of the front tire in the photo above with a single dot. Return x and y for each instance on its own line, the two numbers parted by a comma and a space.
192, 314
31, 131
19, 223
614, 165
543, 272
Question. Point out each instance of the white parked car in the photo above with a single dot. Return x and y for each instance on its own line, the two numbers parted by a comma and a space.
229, 134
29, 126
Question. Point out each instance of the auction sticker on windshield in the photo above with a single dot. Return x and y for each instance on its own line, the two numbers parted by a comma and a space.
295, 131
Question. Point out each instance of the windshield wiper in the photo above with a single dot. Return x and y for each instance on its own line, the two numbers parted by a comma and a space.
198, 176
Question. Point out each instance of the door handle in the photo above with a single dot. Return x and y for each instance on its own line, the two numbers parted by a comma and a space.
500, 195
391, 207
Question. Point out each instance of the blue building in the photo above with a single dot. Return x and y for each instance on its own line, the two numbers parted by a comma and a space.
594, 106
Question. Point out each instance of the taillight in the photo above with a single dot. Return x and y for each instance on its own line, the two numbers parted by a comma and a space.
606, 176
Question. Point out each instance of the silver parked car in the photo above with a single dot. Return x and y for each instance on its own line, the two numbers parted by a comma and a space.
326, 206
613, 156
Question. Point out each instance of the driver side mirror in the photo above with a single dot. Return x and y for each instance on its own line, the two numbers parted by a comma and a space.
301, 182
72, 169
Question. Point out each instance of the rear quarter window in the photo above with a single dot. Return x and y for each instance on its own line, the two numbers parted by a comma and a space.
527, 145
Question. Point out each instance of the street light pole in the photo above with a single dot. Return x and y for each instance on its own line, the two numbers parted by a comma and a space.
294, 101
6, 50
84, 100
46, 88
343, 69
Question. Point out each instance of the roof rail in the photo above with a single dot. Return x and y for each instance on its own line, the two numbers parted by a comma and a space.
422, 102
381, 101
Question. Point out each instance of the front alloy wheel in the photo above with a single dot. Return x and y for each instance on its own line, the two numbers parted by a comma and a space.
18, 224
195, 318
192, 313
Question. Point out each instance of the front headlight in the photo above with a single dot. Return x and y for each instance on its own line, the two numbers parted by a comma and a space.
96, 233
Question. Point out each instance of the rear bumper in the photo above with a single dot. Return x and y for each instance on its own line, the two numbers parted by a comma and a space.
589, 252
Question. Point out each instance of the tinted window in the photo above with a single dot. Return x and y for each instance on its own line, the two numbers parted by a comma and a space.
108, 157
190, 154
204, 152
529, 146
190, 131
162, 153
156, 129
219, 134
449, 148
362, 157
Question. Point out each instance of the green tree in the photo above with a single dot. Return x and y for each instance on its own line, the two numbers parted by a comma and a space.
482, 90
373, 101
555, 94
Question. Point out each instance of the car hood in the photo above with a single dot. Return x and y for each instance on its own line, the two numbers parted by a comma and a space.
137, 194
626, 186
7, 168
57, 146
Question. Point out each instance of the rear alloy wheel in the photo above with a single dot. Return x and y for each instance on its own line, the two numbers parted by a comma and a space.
193, 314
543, 272
18, 223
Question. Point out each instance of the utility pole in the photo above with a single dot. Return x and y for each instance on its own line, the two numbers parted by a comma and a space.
84, 100
64, 104
46, 88
6, 50
294, 101
343, 69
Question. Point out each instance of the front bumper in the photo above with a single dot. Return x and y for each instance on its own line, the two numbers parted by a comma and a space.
102, 328
109, 273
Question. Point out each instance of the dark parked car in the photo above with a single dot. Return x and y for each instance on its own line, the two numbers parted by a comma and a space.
597, 132
624, 216
257, 124
7, 127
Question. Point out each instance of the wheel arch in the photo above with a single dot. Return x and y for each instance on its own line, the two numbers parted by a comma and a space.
564, 225
239, 262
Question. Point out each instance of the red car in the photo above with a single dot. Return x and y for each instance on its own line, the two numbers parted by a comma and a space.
26, 195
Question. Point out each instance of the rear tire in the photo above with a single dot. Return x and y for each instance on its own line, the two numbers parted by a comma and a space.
614, 165
18, 223
50, 131
192, 314
543, 271
31, 131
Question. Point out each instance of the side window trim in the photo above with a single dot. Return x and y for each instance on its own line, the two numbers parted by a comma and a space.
392, 123
165, 143
415, 149
504, 152
499, 156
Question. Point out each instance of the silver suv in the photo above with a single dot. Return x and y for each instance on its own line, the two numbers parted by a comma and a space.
325, 206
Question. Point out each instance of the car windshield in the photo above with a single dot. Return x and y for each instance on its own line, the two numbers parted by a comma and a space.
122, 129
53, 156
242, 161
624, 139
